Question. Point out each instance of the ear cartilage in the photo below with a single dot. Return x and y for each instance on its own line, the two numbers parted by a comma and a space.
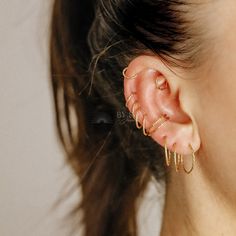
161, 84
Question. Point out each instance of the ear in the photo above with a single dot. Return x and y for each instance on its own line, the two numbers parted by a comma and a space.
153, 93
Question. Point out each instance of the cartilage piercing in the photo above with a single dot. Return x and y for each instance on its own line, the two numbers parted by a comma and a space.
125, 76
161, 84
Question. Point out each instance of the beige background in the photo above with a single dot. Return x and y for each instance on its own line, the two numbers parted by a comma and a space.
32, 171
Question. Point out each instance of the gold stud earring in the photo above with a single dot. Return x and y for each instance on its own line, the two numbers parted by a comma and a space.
125, 76
193, 161
161, 84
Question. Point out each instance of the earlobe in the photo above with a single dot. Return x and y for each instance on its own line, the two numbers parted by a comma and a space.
157, 109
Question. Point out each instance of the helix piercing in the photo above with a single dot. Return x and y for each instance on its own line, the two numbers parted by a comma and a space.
157, 124
167, 153
144, 126
161, 84
129, 98
125, 76
133, 108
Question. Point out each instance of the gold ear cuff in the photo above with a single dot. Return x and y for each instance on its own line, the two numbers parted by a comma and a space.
178, 158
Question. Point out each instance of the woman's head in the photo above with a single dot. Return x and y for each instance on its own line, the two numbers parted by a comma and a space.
182, 42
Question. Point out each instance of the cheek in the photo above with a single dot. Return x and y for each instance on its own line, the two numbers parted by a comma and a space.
216, 110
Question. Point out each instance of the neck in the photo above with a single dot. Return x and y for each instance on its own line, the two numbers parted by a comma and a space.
196, 206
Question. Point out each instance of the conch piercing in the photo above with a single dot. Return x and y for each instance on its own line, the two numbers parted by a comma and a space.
125, 76
161, 84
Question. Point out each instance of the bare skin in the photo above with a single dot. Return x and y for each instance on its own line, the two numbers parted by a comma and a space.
204, 203
202, 111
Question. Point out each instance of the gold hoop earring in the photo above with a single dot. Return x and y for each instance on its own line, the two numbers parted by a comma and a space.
125, 76
158, 124
178, 159
129, 98
167, 154
193, 161
144, 126
136, 121
132, 108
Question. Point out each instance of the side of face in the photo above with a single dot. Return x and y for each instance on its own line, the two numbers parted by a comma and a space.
214, 94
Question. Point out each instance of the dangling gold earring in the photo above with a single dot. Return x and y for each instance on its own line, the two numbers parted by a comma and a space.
193, 161
167, 153
125, 76
161, 84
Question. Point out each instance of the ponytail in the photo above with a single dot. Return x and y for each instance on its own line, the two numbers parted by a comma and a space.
102, 151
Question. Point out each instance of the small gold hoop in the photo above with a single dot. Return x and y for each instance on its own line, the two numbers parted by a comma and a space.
157, 124
125, 76
178, 159
136, 121
133, 108
193, 161
144, 126
167, 154
128, 99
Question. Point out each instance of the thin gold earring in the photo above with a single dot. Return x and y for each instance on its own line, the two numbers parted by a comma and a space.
157, 124
125, 76
144, 126
177, 159
136, 121
129, 98
193, 161
133, 108
167, 154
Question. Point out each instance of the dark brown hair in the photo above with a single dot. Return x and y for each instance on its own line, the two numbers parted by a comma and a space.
91, 42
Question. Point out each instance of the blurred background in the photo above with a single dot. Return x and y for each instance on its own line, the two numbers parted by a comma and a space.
33, 175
